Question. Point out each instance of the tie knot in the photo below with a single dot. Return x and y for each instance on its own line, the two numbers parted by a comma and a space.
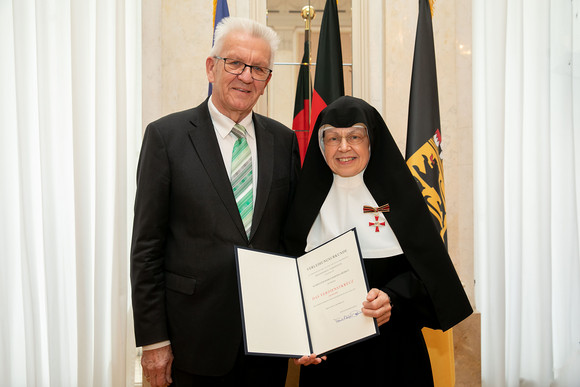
239, 131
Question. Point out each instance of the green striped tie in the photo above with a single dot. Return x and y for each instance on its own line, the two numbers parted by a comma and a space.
242, 176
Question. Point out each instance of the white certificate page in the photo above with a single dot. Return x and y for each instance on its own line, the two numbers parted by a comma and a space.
334, 289
271, 301
275, 291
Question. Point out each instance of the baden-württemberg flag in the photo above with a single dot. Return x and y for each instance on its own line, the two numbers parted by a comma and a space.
424, 150
423, 156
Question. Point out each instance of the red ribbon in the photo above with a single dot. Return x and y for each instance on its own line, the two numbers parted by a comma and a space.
383, 208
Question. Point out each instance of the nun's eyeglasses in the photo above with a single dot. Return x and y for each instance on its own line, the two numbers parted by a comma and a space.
236, 67
334, 140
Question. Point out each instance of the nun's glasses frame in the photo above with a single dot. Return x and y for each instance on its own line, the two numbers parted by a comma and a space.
333, 139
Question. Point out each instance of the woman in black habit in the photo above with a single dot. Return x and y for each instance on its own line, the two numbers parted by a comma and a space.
355, 176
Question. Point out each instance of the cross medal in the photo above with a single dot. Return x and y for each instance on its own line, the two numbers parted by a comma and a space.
376, 224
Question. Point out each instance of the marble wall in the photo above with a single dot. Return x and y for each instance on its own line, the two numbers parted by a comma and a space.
452, 35
176, 42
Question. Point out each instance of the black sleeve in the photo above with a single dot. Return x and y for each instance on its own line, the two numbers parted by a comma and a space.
410, 300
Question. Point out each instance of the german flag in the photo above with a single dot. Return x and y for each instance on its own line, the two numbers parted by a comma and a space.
328, 78
423, 155
301, 122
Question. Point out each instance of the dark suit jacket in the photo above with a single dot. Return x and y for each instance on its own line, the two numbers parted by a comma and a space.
183, 275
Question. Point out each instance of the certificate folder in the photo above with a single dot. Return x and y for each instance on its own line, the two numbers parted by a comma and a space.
311, 304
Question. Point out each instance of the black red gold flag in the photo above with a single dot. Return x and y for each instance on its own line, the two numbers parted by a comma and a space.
328, 78
301, 121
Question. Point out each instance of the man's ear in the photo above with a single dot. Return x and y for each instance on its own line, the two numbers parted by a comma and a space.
266, 83
209, 69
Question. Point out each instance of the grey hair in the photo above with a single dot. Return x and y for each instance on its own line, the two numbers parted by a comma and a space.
242, 25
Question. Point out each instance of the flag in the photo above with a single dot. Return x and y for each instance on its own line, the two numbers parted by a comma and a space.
328, 78
423, 152
424, 159
301, 122
220, 11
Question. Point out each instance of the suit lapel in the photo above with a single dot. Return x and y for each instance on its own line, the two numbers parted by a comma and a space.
265, 146
203, 138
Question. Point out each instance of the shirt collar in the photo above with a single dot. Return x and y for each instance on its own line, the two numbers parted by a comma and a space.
224, 124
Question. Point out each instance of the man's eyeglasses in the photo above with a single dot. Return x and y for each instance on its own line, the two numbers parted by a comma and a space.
236, 67
334, 140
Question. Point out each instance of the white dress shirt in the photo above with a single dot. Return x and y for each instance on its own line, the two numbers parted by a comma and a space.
226, 139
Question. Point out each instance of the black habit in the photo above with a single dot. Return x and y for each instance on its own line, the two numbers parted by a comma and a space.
422, 283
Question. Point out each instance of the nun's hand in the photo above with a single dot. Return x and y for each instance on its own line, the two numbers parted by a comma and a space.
307, 360
378, 305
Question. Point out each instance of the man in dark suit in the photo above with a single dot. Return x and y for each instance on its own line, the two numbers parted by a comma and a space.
188, 219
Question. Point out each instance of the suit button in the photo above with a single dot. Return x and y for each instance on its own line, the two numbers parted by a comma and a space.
250, 246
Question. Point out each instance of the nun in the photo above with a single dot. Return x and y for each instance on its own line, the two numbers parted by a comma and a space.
354, 176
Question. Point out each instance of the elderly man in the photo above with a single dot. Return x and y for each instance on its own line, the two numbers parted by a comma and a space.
209, 178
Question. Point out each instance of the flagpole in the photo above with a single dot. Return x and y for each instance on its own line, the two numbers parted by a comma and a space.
308, 13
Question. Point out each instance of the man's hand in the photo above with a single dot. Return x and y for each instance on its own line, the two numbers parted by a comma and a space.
156, 365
